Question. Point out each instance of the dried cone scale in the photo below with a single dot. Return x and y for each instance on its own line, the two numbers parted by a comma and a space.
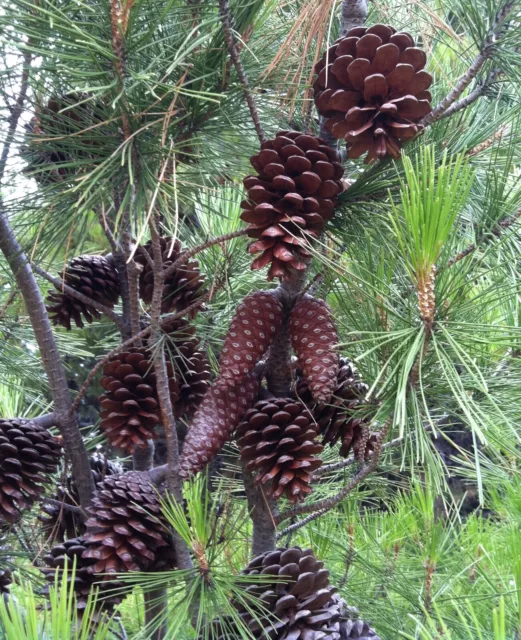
255, 324
277, 440
372, 90
96, 278
290, 199
29, 454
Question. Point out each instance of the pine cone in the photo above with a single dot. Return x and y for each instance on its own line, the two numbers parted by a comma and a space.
29, 454
290, 200
277, 439
357, 630
95, 277
126, 530
338, 419
130, 408
181, 289
314, 337
256, 322
372, 90
5, 580
218, 415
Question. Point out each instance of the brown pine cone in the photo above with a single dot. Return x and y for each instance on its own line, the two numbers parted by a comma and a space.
277, 440
290, 199
181, 289
29, 454
5, 580
314, 338
130, 409
255, 324
95, 277
372, 90
126, 530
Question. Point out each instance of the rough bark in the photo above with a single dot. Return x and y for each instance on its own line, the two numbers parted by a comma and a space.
354, 14
262, 513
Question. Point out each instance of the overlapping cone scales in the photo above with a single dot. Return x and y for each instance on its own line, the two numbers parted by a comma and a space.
5, 581
96, 278
290, 199
126, 530
372, 90
218, 415
181, 289
358, 630
277, 440
29, 454
314, 338
129, 407
257, 321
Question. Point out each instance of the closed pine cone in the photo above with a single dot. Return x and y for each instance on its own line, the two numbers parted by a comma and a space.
277, 440
96, 278
290, 200
29, 454
181, 289
372, 90
126, 530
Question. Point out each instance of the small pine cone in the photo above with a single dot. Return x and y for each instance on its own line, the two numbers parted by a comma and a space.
277, 440
370, 440
29, 454
5, 580
216, 418
130, 408
372, 90
95, 277
314, 337
126, 530
290, 200
256, 322
181, 289
338, 420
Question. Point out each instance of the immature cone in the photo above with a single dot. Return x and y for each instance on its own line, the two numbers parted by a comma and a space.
126, 530
339, 419
130, 408
5, 581
255, 324
290, 199
277, 440
372, 90
218, 415
181, 289
96, 278
314, 337
29, 454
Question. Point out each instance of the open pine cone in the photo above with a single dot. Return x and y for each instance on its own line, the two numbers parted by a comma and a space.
372, 90
277, 440
95, 277
29, 454
290, 200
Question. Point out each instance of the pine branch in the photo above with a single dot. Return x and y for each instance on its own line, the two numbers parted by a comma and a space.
472, 97
47, 420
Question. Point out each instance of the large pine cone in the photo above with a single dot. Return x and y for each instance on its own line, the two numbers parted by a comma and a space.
126, 530
339, 419
181, 289
5, 580
290, 199
277, 439
58, 522
95, 277
255, 324
372, 90
29, 454
130, 408
218, 415
314, 338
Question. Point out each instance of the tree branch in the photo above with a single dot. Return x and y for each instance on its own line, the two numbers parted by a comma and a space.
47, 420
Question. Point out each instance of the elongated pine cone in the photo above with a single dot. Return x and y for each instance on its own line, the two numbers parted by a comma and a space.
181, 289
255, 324
130, 408
29, 454
372, 90
290, 200
96, 278
340, 418
218, 415
277, 440
126, 530
5, 580
314, 338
